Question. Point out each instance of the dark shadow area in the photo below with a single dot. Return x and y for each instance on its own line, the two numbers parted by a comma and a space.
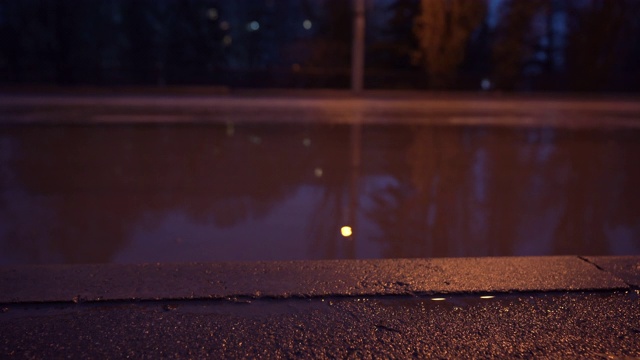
506, 45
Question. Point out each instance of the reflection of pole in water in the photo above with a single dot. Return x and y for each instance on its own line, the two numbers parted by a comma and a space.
349, 230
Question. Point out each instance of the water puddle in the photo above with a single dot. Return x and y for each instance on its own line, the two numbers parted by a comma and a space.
285, 191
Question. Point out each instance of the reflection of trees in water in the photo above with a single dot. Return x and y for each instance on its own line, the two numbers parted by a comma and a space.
97, 183
606, 199
16, 205
477, 192
424, 211
331, 154
78, 191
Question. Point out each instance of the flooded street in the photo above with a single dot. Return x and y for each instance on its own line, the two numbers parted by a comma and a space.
126, 193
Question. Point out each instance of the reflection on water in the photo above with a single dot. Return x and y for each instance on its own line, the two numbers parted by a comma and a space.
148, 193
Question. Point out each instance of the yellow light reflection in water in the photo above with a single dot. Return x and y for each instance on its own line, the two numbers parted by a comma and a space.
346, 231
438, 299
487, 297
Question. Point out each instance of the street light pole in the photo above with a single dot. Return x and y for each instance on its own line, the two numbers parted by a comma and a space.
357, 46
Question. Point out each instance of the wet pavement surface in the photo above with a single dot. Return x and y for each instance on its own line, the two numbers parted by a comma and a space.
541, 307
149, 182
600, 325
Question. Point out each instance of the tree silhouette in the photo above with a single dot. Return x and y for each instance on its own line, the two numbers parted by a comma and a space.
601, 34
194, 41
516, 40
443, 28
398, 42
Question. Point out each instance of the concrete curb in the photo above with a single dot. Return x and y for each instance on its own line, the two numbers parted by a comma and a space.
113, 282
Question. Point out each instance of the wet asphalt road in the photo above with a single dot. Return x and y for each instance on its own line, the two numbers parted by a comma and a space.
596, 325
581, 324
537, 307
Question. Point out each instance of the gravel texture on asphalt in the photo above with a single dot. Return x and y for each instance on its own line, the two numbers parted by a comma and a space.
283, 279
596, 325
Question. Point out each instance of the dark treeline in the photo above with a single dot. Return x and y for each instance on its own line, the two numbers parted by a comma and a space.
575, 45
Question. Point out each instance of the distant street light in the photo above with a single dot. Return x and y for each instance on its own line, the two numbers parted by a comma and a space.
253, 26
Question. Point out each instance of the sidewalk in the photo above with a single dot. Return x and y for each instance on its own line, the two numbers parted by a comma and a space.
551, 307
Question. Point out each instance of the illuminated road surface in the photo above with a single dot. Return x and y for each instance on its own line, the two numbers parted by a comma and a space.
337, 108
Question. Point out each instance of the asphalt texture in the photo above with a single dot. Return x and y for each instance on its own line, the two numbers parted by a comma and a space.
597, 325
537, 307
283, 279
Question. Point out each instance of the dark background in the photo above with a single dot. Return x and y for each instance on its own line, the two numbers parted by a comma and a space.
513, 45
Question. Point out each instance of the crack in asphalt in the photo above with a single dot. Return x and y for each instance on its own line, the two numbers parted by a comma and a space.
631, 286
594, 264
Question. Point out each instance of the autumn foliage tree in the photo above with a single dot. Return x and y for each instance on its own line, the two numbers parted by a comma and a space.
443, 28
